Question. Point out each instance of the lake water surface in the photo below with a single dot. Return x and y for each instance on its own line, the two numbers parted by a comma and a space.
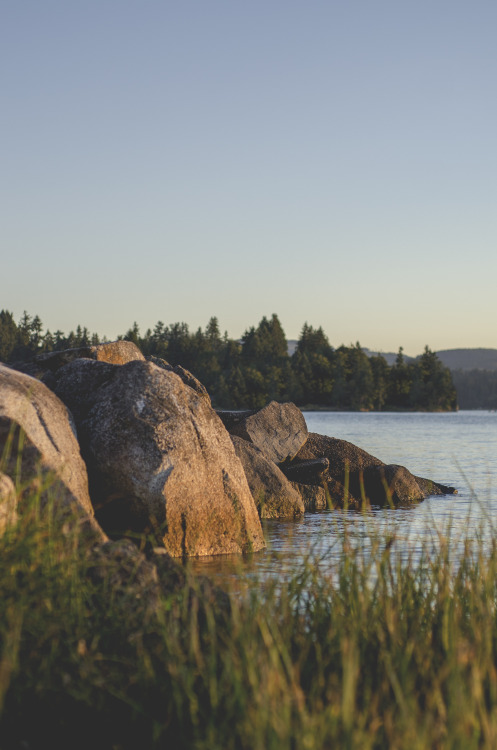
457, 449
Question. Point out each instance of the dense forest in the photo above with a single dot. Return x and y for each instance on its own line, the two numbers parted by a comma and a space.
256, 369
476, 389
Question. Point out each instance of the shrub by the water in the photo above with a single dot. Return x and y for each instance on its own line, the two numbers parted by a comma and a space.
377, 652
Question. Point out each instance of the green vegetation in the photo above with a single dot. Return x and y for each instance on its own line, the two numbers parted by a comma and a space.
380, 652
257, 369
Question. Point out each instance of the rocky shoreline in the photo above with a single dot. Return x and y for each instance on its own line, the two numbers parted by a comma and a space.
132, 448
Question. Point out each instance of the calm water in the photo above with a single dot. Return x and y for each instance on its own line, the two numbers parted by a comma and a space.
458, 449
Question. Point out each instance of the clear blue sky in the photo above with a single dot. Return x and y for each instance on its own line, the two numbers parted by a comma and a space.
333, 162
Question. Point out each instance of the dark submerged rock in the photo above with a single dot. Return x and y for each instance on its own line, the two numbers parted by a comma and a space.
355, 476
311, 471
429, 487
340, 454
389, 484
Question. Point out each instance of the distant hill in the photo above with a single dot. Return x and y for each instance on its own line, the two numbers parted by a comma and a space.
292, 345
469, 359
454, 359
389, 356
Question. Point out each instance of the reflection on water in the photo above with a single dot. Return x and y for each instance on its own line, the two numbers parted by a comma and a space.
458, 449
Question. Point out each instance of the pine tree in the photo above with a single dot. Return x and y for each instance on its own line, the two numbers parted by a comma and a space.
8, 335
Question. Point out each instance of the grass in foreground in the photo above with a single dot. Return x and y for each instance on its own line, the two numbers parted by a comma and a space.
383, 654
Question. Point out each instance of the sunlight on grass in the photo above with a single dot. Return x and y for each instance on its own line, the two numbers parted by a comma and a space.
379, 650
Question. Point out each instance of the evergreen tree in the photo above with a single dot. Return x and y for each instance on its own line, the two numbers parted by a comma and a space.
236, 389
400, 383
35, 334
313, 341
213, 334
476, 389
22, 350
265, 345
265, 361
339, 369
59, 340
432, 387
380, 373
133, 334
158, 341
48, 344
8, 335
359, 379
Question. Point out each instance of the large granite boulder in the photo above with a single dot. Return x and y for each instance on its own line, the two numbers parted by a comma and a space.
185, 375
159, 459
40, 452
355, 475
278, 430
273, 494
114, 352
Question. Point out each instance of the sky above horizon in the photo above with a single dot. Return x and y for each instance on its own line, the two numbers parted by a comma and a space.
331, 162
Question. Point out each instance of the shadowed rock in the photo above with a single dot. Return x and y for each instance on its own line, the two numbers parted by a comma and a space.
173, 579
159, 459
339, 453
389, 483
273, 494
131, 578
139, 583
313, 496
278, 430
356, 475
311, 471
429, 487
233, 419
40, 451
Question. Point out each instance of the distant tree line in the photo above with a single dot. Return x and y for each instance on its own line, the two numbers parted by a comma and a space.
476, 389
21, 341
257, 369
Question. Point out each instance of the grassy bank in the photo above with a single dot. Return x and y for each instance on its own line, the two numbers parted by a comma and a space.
383, 654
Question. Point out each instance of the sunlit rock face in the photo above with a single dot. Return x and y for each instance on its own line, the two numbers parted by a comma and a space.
159, 459
40, 451
114, 352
